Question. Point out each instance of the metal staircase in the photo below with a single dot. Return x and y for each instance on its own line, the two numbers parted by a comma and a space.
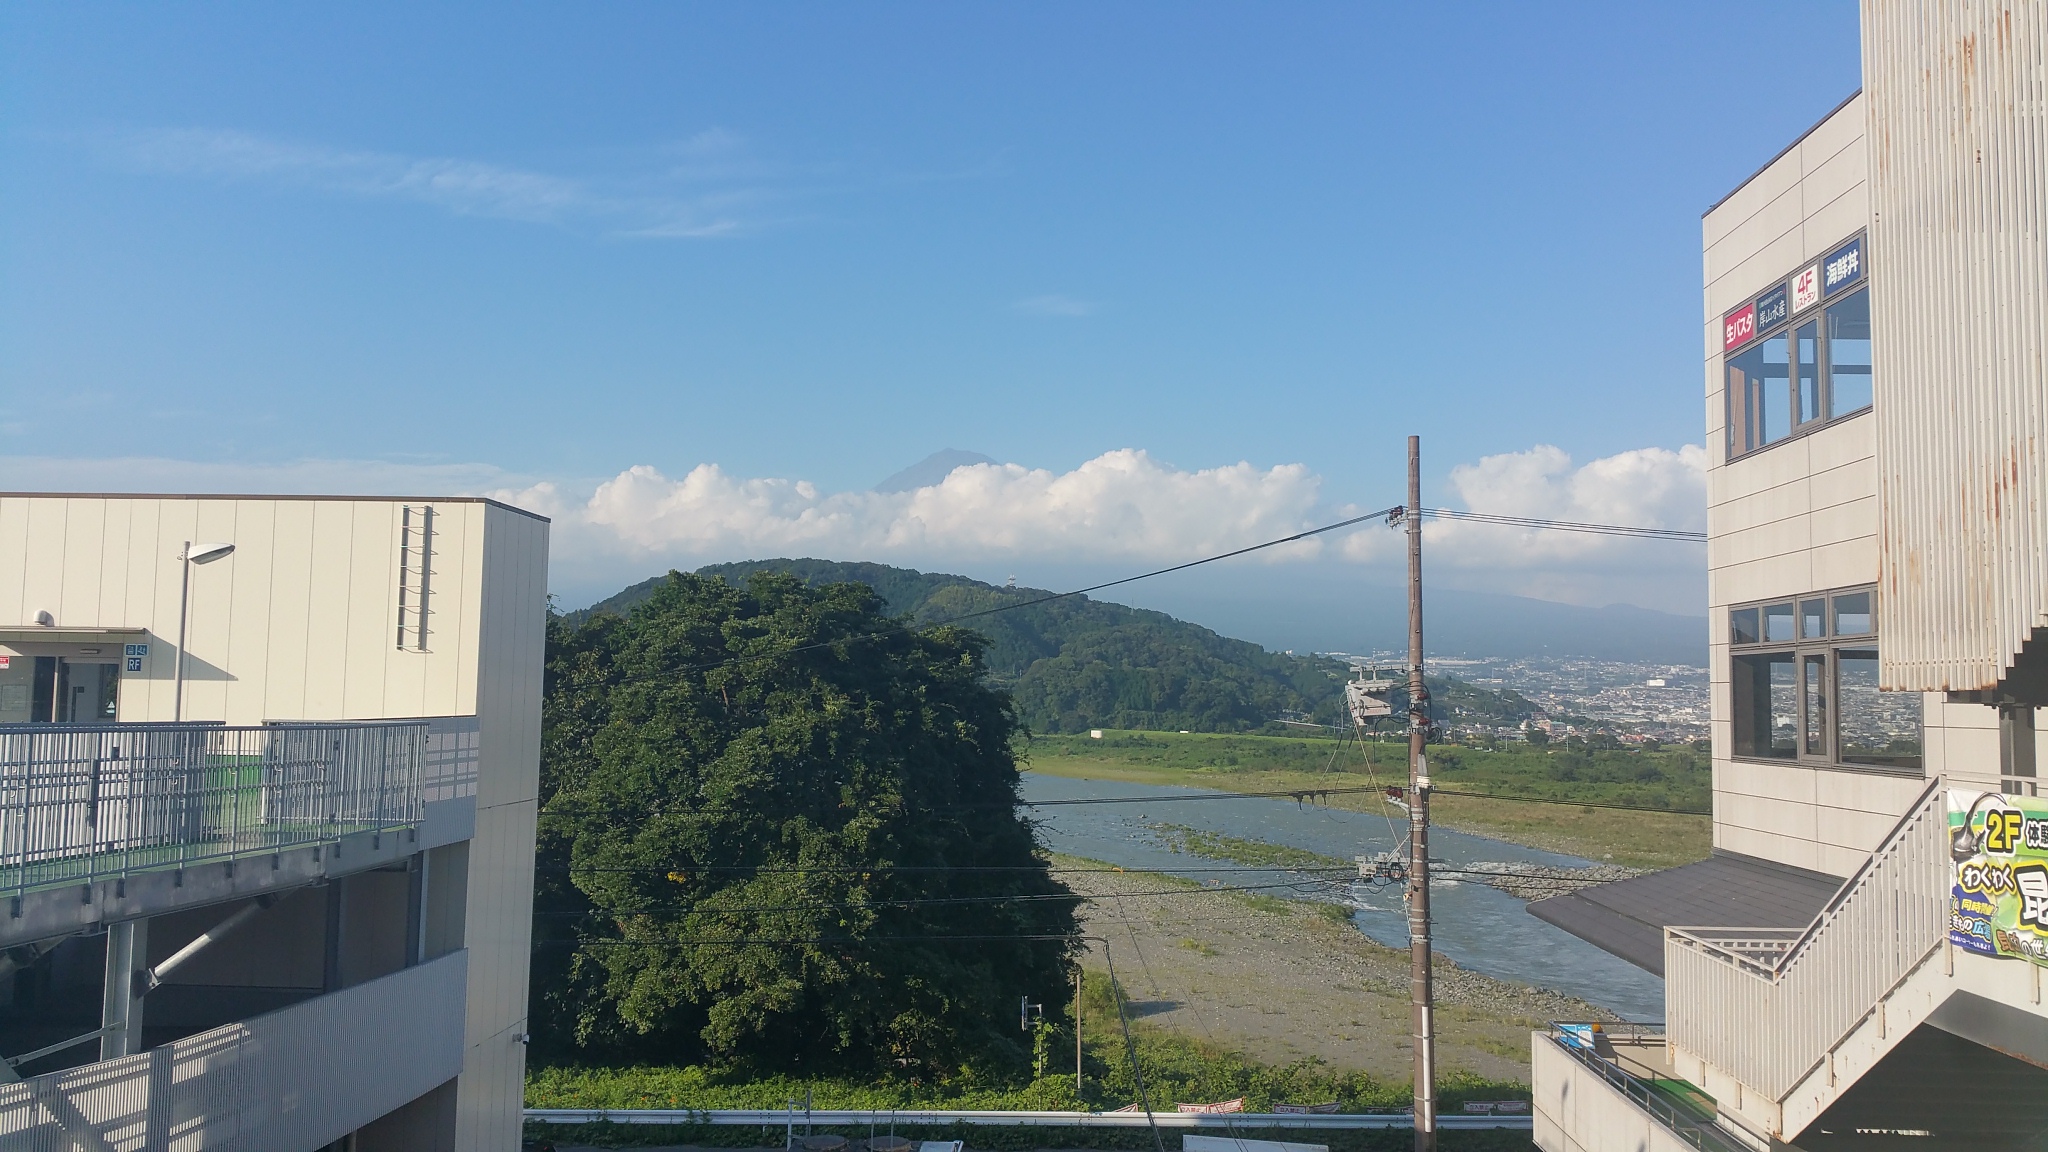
1769, 1015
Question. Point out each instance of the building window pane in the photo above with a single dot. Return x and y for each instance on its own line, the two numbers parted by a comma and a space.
1745, 401
1813, 619
1876, 728
1806, 347
1777, 623
1852, 614
1776, 398
1849, 354
1742, 626
1765, 693
1813, 708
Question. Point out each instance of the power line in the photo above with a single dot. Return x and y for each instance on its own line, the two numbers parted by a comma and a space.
929, 901
1568, 525
1299, 795
883, 869
1298, 536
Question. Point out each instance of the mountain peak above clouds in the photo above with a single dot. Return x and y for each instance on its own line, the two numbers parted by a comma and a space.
931, 470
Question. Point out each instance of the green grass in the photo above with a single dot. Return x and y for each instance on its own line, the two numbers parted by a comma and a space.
1176, 1069
1556, 788
1237, 850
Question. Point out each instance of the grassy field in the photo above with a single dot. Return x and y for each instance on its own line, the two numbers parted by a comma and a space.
1559, 785
1176, 1068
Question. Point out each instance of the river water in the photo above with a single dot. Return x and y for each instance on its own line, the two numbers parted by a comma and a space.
1479, 926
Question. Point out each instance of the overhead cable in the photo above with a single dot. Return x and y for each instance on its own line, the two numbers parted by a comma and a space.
1567, 525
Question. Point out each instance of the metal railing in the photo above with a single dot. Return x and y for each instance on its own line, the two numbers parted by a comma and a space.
1698, 1131
1767, 1006
82, 803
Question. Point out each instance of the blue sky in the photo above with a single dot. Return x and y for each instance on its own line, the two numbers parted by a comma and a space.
524, 249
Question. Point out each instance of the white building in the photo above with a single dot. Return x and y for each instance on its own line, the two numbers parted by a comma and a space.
1876, 324
272, 891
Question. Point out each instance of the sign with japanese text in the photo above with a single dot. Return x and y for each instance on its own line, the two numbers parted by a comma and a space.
1999, 903
1806, 288
1738, 327
1771, 308
1844, 265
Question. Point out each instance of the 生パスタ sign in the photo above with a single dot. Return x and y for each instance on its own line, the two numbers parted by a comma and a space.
1998, 905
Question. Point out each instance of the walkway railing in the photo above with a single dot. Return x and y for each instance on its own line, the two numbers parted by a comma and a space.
1695, 1130
79, 804
1767, 1006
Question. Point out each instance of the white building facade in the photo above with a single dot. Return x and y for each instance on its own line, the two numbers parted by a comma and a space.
268, 771
1842, 973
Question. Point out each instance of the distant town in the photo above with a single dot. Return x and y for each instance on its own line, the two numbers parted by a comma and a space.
1631, 702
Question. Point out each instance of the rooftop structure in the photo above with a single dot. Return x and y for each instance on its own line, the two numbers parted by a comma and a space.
268, 769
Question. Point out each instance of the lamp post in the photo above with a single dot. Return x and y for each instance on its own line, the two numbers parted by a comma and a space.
204, 554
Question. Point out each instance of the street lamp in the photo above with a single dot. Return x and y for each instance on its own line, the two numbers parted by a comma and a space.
203, 554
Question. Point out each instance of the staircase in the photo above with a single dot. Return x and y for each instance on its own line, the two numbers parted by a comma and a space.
1776, 1024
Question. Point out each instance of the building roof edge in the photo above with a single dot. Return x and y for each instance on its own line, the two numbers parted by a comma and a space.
271, 496
1782, 153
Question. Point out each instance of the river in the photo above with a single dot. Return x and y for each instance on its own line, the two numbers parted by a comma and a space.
1482, 928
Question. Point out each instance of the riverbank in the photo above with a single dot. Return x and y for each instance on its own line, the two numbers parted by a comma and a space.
1565, 823
1288, 980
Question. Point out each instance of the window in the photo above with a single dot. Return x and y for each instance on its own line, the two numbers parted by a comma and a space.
1849, 355
1790, 371
1803, 686
58, 690
1806, 346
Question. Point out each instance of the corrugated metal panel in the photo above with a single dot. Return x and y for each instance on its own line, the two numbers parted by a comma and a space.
1957, 95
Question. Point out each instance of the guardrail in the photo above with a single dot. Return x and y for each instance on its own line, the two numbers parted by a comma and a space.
848, 1118
1766, 1006
1694, 1130
83, 803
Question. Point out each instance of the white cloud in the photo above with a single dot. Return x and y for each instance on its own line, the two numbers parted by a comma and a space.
1122, 504
1122, 510
1053, 304
703, 187
1643, 488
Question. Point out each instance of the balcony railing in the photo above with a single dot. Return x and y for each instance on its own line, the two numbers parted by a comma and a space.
84, 803
1682, 1120
1768, 1006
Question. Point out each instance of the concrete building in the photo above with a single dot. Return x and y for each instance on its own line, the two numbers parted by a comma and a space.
1859, 964
268, 770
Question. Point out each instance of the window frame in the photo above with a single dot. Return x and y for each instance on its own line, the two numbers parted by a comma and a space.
1788, 327
1801, 649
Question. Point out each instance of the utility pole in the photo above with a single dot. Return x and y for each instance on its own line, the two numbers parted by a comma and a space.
1419, 980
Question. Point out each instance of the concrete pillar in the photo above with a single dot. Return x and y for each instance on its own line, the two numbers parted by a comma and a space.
120, 1007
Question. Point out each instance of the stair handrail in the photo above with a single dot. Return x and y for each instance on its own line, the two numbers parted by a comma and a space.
1771, 1044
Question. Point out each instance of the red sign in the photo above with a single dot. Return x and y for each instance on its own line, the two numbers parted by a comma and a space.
1738, 327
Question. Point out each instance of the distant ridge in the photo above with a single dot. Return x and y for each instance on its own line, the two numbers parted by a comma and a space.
1077, 663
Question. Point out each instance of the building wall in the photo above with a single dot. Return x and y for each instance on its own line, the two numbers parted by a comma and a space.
301, 623
1958, 93
512, 621
1799, 516
1806, 514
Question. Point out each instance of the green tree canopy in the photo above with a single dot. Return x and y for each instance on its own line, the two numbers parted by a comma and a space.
761, 806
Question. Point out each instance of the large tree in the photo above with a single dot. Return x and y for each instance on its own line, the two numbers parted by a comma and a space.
780, 829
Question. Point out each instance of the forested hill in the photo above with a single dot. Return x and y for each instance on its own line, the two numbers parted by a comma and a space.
1077, 663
